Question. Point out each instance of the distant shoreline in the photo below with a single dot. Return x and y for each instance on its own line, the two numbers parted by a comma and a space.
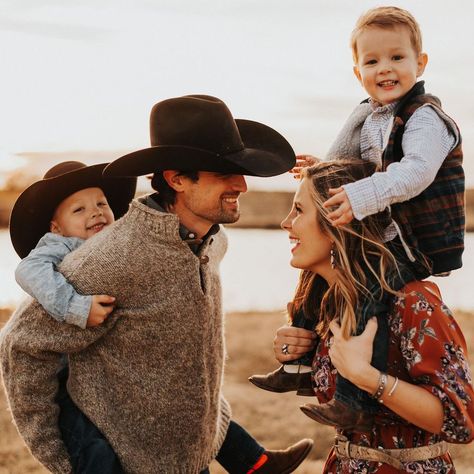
259, 209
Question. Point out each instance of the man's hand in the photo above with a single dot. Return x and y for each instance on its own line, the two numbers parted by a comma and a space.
101, 307
303, 161
298, 340
343, 214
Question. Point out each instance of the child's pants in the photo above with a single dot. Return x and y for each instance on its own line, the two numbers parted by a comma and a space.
408, 271
89, 451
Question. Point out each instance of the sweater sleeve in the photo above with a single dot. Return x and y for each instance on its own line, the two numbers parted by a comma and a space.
31, 344
38, 276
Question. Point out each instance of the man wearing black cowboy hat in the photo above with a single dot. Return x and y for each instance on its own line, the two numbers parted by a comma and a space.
150, 377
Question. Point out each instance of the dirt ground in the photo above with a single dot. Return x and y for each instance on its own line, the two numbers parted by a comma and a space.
273, 419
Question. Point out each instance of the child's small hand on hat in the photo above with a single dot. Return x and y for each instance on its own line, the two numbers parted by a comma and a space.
343, 214
101, 307
302, 161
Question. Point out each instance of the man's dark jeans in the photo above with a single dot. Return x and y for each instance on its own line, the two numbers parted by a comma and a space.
378, 306
91, 453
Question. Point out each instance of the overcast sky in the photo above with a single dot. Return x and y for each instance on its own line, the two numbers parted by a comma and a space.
82, 76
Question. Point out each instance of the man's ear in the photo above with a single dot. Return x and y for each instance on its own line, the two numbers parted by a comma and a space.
174, 179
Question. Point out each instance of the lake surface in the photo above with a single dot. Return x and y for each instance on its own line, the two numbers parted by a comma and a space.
256, 275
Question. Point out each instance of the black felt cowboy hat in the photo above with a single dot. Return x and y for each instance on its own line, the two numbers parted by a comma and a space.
198, 133
34, 208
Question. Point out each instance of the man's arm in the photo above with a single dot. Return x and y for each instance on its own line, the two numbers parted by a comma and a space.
38, 276
31, 344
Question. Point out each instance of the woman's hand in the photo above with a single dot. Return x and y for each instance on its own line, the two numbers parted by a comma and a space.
351, 357
298, 342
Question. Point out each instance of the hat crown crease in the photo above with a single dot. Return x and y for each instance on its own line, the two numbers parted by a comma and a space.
63, 168
195, 123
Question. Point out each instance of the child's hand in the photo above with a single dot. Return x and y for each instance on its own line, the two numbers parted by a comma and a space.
101, 307
302, 161
343, 214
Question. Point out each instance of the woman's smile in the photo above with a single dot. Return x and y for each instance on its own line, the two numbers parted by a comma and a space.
310, 246
295, 242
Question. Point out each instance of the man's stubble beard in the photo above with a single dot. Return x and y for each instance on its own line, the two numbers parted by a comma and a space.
222, 216
226, 217
217, 215
231, 219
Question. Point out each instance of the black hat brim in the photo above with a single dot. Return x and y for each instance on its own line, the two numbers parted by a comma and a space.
33, 210
265, 153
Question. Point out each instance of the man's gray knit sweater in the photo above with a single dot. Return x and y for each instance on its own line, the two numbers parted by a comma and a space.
150, 377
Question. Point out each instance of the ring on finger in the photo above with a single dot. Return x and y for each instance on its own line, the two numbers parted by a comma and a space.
284, 349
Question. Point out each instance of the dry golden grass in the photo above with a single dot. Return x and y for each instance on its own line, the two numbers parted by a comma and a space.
274, 419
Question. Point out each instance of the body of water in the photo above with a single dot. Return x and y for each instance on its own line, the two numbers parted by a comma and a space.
256, 274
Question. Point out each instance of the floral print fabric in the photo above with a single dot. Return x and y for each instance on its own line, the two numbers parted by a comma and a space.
426, 348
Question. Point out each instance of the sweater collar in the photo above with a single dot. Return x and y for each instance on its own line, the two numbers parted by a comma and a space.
188, 236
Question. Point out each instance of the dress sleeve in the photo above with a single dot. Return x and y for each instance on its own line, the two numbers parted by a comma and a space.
435, 355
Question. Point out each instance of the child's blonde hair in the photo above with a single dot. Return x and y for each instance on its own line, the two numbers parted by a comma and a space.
387, 17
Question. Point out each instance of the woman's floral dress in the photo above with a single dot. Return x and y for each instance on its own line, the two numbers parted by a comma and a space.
426, 348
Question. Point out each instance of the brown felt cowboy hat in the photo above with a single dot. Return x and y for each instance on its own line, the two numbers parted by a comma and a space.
34, 208
198, 133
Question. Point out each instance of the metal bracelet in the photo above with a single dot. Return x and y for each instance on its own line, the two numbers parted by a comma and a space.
394, 386
381, 387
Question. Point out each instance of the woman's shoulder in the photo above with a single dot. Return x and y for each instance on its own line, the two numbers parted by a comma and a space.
420, 302
420, 291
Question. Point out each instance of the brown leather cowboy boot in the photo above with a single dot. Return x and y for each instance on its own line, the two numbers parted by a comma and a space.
281, 381
287, 460
340, 415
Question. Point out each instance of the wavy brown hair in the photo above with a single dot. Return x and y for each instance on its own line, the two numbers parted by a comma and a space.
358, 247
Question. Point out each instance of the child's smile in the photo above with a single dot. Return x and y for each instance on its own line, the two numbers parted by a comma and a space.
387, 63
82, 214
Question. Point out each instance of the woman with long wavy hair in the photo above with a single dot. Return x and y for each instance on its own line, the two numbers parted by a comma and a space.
425, 396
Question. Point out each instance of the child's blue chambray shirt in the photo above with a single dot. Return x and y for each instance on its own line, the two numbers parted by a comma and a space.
38, 276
